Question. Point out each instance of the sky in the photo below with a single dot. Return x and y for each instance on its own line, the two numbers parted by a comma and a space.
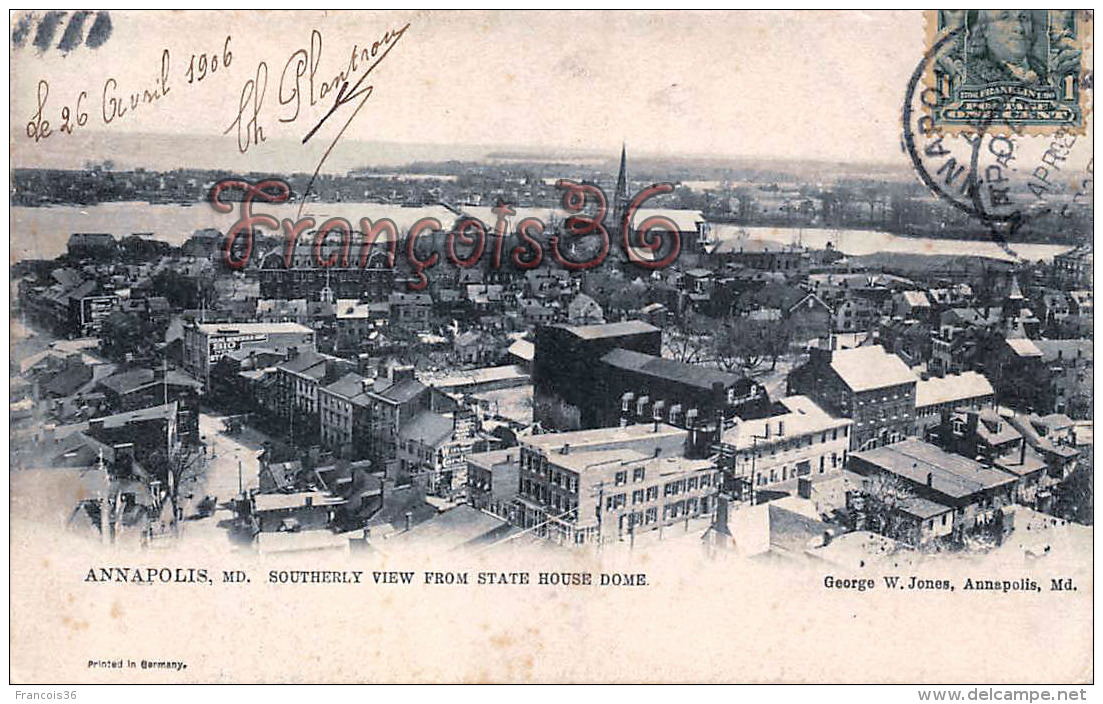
773, 85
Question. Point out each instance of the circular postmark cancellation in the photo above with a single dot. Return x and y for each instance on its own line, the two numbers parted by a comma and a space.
997, 119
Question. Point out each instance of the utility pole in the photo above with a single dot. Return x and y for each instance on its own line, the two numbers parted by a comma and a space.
600, 512
754, 456
105, 509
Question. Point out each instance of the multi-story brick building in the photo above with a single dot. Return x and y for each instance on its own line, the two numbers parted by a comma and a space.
866, 384
341, 405
614, 374
492, 481
206, 343
298, 384
606, 484
306, 274
433, 447
1073, 269
942, 394
800, 439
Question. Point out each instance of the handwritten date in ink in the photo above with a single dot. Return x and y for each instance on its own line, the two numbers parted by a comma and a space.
116, 101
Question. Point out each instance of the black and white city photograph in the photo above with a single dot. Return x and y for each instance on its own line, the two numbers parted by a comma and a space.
563, 347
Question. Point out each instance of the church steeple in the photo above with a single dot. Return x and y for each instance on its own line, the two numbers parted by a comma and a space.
620, 197
1014, 301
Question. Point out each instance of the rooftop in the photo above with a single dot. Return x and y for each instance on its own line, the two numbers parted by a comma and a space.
951, 388
487, 460
251, 328
137, 379
285, 502
598, 332
803, 416
916, 299
1031, 462
427, 428
603, 436
1052, 350
951, 475
403, 391
1024, 347
348, 386
474, 377
867, 368
669, 369
922, 508
457, 527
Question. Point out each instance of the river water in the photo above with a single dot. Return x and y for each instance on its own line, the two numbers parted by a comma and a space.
43, 233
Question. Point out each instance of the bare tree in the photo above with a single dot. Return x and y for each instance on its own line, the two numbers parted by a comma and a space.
879, 508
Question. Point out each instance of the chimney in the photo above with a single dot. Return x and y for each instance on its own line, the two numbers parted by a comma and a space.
566, 449
401, 373
309, 501
804, 487
780, 428
930, 480
658, 451
1022, 451
827, 537
408, 518
124, 458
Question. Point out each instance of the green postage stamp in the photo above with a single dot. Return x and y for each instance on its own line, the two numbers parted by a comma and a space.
1023, 71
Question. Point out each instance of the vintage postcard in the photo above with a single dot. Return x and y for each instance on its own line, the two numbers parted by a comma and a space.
569, 347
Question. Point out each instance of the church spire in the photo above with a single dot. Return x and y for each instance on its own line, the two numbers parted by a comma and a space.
620, 197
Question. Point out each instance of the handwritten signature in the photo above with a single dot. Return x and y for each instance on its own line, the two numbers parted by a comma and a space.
300, 84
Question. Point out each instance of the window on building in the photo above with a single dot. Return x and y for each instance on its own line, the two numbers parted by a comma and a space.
652, 493
651, 515
621, 478
637, 474
691, 484
637, 497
